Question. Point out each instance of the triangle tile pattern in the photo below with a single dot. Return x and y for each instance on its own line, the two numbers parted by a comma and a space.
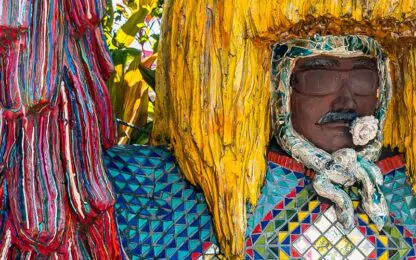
400, 199
159, 214
279, 181
301, 226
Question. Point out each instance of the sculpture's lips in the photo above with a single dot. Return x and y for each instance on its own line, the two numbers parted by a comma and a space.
337, 118
338, 124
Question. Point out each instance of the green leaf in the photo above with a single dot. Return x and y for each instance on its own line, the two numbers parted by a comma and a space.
149, 75
143, 39
134, 5
126, 34
125, 56
156, 12
142, 137
155, 46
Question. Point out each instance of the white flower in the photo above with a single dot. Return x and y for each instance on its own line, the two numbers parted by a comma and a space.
364, 129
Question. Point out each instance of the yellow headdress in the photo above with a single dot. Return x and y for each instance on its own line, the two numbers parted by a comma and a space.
214, 79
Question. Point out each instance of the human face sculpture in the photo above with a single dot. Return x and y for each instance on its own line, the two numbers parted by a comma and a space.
328, 93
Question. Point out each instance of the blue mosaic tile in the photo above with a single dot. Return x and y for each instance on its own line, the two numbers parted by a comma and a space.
159, 214
400, 199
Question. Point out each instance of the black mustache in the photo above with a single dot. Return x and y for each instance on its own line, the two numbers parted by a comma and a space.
332, 117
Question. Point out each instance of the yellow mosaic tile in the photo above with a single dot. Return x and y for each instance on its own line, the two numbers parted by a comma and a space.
322, 245
282, 236
369, 223
384, 240
384, 256
364, 218
373, 228
282, 255
302, 215
293, 226
344, 246
312, 205
355, 203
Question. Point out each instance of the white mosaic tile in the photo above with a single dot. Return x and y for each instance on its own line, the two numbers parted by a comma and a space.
325, 240
301, 244
322, 223
312, 233
333, 235
212, 250
366, 247
333, 254
312, 254
340, 227
355, 236
355, 255
330, 214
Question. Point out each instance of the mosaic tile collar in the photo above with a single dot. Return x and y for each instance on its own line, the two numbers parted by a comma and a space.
386, 165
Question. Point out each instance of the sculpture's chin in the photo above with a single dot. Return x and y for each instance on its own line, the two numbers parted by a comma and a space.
333, 139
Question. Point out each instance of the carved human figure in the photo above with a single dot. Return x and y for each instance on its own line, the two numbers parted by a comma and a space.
328, 191
340, 90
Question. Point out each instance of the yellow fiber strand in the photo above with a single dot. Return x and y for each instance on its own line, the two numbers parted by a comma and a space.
400, 130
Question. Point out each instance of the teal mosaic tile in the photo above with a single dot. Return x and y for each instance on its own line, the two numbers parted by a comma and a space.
399, 198
159, 214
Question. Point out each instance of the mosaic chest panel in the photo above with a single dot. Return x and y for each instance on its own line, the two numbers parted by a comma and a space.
161, 216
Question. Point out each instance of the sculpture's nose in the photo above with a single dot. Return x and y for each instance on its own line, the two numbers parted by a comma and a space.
344, 100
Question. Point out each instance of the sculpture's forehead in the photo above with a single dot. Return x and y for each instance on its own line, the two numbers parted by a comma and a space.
334, 62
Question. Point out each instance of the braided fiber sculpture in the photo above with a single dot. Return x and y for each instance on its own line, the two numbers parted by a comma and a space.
55, 198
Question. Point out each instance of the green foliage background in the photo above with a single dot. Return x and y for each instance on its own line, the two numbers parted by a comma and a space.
129, 34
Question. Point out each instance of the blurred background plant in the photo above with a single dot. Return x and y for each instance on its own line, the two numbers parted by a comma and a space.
132, 30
